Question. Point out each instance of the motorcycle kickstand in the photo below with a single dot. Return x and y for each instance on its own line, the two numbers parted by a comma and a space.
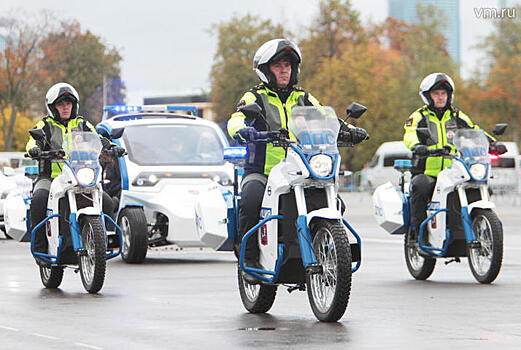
456, 259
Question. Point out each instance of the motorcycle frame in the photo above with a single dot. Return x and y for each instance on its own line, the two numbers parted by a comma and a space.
67, 184
293, 174
459, 178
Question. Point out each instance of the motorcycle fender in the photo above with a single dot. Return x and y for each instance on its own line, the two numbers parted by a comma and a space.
88, 211
325, 213
481, 204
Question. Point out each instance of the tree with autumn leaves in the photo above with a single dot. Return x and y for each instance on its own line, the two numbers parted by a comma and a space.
379, 66
36, 54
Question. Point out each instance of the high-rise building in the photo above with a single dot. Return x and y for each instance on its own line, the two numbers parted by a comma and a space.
406, 10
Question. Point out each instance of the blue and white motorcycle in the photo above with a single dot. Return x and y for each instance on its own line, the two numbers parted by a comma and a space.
301, 234
466, 180
79, 186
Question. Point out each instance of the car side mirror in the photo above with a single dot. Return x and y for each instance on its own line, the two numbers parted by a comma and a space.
251, 110
8, 171
499, 129
116, 133
355, 110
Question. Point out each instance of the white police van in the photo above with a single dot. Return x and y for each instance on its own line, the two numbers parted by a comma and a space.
380, 169
176, 172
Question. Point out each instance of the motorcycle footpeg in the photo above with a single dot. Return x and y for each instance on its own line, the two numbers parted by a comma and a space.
475, 245
81, 252
314, 269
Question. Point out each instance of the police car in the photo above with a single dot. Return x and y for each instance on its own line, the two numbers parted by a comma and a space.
176, 172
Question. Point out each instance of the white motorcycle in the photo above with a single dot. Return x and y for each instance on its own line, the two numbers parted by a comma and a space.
482, 237
79, 185
301, 235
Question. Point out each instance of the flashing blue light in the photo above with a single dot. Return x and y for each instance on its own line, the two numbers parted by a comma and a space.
402, 164
235, 152
181, 108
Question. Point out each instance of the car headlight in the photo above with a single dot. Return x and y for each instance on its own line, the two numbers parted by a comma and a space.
146, 180
321, 165
85, 176
478, 171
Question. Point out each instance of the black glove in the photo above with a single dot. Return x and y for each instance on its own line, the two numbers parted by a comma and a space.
353, 135
246, 134
118, 151
420, 150
35, 152
497, 148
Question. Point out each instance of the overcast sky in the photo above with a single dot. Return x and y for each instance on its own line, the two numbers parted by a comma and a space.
168, 47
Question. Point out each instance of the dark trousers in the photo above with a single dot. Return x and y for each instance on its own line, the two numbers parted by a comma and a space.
38, 210
249, 215
422, 188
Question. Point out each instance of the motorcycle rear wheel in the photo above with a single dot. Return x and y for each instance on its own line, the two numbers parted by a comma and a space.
329, 291
93, 263
485, 260
419, 267
51, 276
256, 298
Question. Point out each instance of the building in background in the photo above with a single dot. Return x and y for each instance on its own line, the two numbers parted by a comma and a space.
200, 100
406, 10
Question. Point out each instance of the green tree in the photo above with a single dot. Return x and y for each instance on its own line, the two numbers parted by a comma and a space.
231, 75
82, 59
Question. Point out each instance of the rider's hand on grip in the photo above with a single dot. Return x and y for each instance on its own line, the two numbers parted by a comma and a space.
497, 148
420, 150
353, 135
35, 152
118, 151
245, 135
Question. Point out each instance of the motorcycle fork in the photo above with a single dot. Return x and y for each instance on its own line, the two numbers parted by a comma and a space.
470, 236
309, 259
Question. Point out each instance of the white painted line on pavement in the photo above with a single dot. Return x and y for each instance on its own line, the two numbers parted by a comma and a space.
45, 336
10, 328
88, 346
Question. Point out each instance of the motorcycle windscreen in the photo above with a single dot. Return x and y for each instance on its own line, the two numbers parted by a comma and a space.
82, 148
473, 145
315, 128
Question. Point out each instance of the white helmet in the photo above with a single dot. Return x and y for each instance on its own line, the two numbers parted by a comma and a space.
273, 51
436, 81
60, 92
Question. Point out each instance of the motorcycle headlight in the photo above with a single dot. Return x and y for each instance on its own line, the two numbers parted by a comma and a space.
478, 171
85, 176
321, 165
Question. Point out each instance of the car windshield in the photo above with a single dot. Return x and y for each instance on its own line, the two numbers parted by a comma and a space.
179, 144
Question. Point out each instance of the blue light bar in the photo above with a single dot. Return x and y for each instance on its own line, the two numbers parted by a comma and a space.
235, 152
181, 108
122, 108
113, 110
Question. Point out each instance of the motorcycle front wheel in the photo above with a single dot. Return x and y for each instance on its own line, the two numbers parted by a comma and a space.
485, 259
256, 298
93, 260
329, 290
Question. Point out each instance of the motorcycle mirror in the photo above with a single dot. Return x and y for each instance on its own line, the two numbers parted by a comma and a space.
424, 134
116, 133
355, 110
37, 134
251, 110
499, 129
